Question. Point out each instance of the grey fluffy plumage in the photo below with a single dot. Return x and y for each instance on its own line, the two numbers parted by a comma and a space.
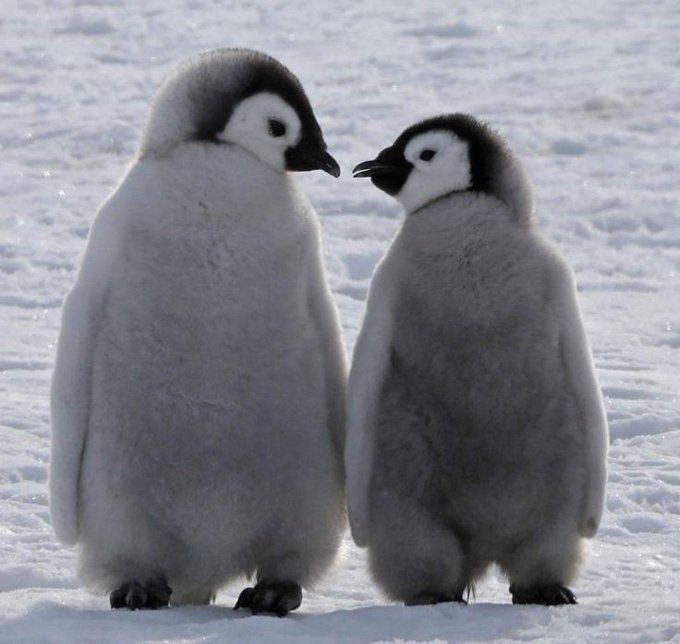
476, 432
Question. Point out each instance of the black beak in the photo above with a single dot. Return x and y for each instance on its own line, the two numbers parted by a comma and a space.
304, 160
328, 164
388, 171
374, 168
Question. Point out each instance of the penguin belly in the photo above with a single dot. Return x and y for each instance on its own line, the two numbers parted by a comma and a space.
207, 427
488, 444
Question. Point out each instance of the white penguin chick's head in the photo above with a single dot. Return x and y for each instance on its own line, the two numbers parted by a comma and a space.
244, 98
449, 154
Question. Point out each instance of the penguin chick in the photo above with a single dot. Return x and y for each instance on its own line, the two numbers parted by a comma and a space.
199, 388
476, 429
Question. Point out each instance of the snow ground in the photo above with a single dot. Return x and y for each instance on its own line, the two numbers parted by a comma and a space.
586, 92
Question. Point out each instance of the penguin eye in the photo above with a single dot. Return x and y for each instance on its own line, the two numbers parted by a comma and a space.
427, 155
276, 128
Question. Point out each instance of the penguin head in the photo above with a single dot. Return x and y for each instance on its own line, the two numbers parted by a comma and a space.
244, 98
453, 153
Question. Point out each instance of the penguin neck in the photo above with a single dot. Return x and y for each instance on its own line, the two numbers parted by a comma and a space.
469, 233
456, 219
222, 177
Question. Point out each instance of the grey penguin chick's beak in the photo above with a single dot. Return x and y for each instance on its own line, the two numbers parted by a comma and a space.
388, 171
367, 169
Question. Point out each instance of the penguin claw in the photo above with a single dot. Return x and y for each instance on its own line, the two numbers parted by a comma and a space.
159, 595
278, 598
245, 599
135, 596
552, 595
117, 598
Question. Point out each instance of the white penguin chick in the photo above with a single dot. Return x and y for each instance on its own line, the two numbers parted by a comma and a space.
476, 431
198, 394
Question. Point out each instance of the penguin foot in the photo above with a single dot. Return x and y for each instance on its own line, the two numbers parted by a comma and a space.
552, 595
429, 599
135, 596
278, 598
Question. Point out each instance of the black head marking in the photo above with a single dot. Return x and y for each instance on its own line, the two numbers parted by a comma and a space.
232, 75
396, 172
247, 73
486, 148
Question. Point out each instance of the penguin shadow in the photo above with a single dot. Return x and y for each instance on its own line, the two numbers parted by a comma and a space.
476, 622
55, 615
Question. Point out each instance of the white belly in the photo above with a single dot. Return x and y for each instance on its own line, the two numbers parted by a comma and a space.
208, 410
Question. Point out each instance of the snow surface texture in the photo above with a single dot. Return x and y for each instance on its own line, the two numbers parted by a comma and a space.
585, 92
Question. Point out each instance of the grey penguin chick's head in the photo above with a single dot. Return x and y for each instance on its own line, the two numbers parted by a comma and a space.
447, 154
239, 97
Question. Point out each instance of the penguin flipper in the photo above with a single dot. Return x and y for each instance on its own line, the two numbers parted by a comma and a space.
578, 365
325, 317
70, 392
367, 374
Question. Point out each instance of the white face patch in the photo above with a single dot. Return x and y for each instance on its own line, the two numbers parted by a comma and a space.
441, 164
265, 125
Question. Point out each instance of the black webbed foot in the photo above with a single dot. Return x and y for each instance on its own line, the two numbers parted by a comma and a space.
278, 598
136, 596
550, 595
429, 599
245, 599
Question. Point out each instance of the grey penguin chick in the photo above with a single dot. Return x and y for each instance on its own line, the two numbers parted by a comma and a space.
476, 431
198, 396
